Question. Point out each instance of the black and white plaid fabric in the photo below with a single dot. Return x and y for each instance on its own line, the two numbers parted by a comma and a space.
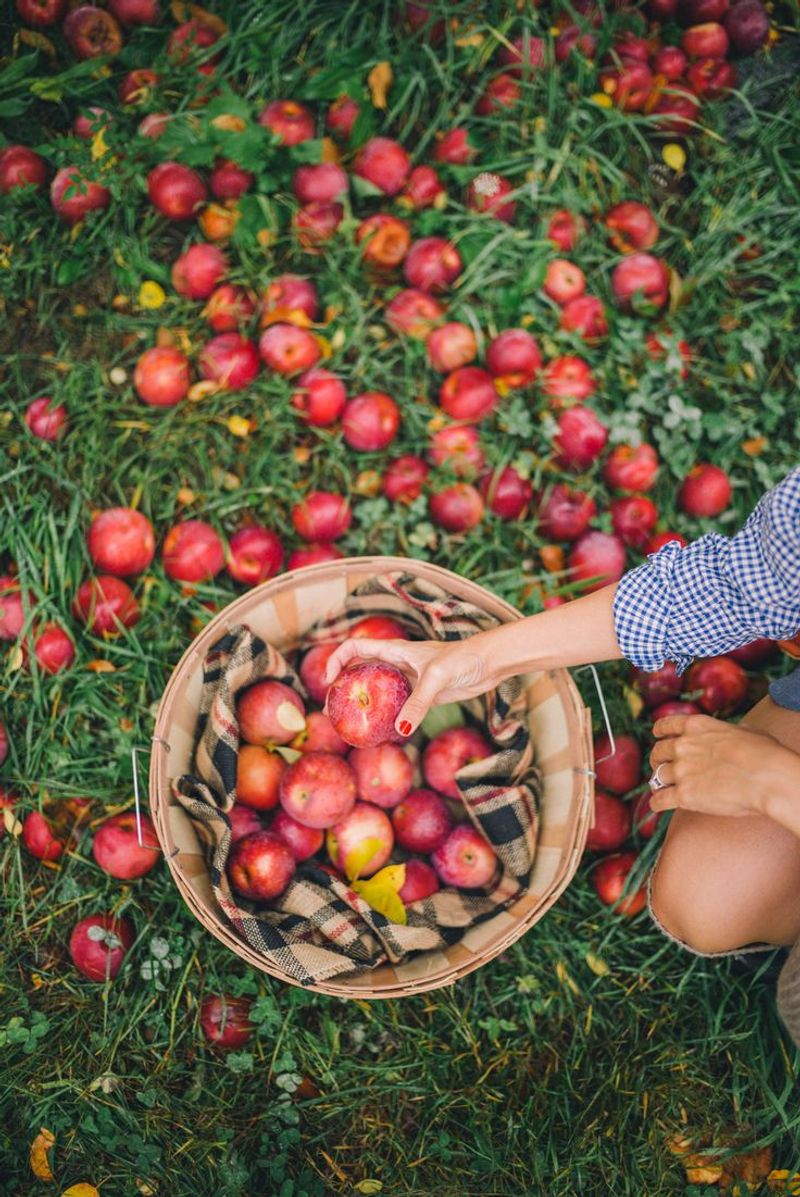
319, 927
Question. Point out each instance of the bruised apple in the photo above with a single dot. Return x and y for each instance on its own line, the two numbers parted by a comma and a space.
318, 789
365, 825
421, 821
117, 850
258, 776
448, 753
384, 774
385, 240
270, 713
98, 945
489, 192
364, 701
465, 859
260, 866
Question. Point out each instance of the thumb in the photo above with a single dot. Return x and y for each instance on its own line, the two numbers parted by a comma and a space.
417, 705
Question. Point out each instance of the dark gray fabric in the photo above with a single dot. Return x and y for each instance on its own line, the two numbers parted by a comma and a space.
786, 690
788, 993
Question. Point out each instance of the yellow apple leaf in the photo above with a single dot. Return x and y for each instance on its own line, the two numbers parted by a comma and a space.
355, 860
40, 1165
379, 80
598, 966
634, 700
81, 1189
38, 41
382, 891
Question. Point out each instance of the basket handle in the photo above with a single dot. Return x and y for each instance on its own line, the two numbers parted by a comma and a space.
137, 801
606, 719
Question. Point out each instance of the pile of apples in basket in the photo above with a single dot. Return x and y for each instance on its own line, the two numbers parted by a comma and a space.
336, 784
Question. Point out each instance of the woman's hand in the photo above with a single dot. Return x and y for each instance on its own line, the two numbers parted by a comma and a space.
439, 671
716, 767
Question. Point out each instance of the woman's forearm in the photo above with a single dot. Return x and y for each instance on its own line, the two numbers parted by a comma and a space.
782, 803
579, 633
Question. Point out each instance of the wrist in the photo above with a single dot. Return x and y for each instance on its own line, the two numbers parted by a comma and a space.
780, 790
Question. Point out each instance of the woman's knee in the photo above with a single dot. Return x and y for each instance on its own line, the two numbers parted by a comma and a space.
682, 910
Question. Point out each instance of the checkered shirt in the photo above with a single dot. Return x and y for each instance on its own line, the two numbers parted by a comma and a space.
717, 593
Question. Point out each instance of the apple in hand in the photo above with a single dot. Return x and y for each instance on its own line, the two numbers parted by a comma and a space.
260, 866
364, 822
465, 859
98, 944
116, 847
384, 774
364, 701
318, 789
226, 1021
258, 776
421, 881
270, 713
421, 821
448, 753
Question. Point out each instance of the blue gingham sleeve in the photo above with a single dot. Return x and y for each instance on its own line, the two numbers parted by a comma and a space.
718, 592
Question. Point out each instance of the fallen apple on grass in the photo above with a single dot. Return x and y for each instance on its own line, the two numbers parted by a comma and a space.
320, 182
162, 376
106, 605
705, 491
260, 866
52, 648
609, 879
384, 163
320, 397
633, 519
364, 701
192, 552
176, 191
198, 271
468, 394
405, 478
457, 508
255, 554
318, 789
580, 439
12, 608
632, 468
370, 421
74, 197
506, 493
46, 419
565, 513
413, 313
321, 516
227, 181
432, 264
269, 713
225, 1021
117, 850
121, 541
288, 295
384, 239
21, 166
290, 122
40, 838
98, 945
458, 447
515, 357
658, 685
90, 32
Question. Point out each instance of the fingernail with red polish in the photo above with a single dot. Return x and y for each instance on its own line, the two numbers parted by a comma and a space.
405, 728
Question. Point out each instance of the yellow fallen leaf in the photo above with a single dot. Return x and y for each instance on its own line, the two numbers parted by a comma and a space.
382, 891
598, 966
81, 1189
40, 1165
330, 150
634, 700
228, 123
749, 371
99, 147
238, 426
674, 156
201, 390
185, 496
281, 315
368, 483
601, 99
369, 1186
101, 666
781, 1180
301, 454
11, 822
151, 295
356, 859
564, 977
37, 41
755, 447
324, 345
471, 39
80, 309
379, 81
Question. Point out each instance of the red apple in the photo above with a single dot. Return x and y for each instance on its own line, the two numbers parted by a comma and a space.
612, 823
421, 821
318, 789
465, 859
228, 308
468, 393
506, 493
269, 713
488, 192
243, 820
658, 685
21, 167
192, 552
116, 847
747, 26
674, 707
753, 654
73, 196
91, 32
420, 882
563, 281
3, 743
377, 627
448, 753
662, 10
39, 837
458, 447
254, 554
432, 264
661, 538
631, 467
290, 122
312, 669
500, 93
198, 270
571, 38
580, 439
631, 226
712, 78
176, 191
98, 945
708, 40
230, 360
678, 111
319, 735
289, 294
384, 774
609, 879
644, 819
41, 12
364, 823
46, 419
226, 1021
720, 682
566, 513
316, 223
705, 491
695, 12
138, 86
523, 54
451, 346
598, 556
260, 866
404, 478
383, 163
288, 349
89, 123
670, 62
106, 605
320, 397
258, 775
370, 422
385, 240
121, 541
188, 39
423, 188
312, 555
228, 181
154, 125
303, 842
12, 609
643, 276
633, 519
342, 115
629, 85
162, 376
585, 316
321, 182
514, 356
454, 147
565, 229
321, 516
135, 12
413, 313
568, 377
364, 701
622, 771
457, 508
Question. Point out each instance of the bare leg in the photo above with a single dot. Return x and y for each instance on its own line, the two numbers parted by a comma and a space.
722, 883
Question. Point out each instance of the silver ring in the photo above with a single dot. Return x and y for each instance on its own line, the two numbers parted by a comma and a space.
655, 782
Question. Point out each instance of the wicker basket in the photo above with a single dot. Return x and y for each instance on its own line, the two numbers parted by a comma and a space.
280, 611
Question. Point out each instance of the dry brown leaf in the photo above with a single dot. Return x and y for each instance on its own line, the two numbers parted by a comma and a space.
750, 1166
100, 666
183, 12
40, 1165
37, 41
755, 447
226, 122
552, 557
379, 81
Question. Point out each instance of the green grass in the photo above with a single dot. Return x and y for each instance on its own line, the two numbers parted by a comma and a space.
535, 1075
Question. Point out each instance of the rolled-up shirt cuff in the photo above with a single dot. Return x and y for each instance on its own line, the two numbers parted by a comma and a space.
641, 612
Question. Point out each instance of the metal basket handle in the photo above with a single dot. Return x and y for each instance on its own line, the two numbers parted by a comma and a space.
606, 719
